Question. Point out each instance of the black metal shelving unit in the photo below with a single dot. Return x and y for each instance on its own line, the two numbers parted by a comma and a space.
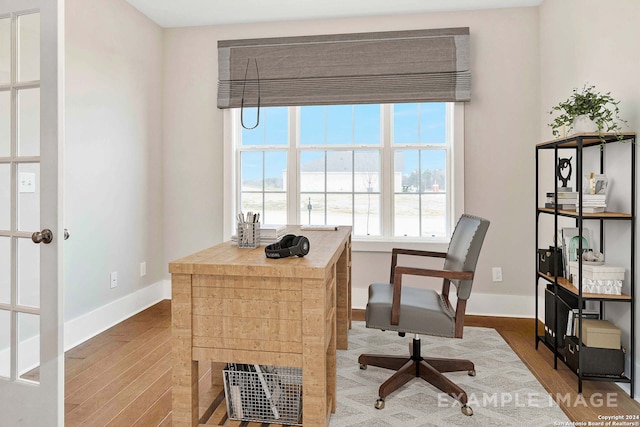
555, 284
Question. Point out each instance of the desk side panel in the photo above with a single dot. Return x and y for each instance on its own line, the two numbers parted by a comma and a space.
315, 307
184, 369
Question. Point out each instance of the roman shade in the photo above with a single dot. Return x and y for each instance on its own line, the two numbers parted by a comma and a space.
382, 67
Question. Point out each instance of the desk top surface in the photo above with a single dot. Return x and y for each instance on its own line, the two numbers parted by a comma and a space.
227, 258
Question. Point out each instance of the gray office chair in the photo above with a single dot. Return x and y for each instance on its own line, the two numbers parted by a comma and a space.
424, 311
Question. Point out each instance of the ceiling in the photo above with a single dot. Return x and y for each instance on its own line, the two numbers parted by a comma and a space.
187, 13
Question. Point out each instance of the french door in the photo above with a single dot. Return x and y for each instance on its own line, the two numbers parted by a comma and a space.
31, 231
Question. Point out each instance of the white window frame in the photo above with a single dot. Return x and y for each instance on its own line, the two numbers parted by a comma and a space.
455, 130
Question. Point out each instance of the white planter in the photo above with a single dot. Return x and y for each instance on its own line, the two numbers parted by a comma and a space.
583, 124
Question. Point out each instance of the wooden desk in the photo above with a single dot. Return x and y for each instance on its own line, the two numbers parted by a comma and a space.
236, 305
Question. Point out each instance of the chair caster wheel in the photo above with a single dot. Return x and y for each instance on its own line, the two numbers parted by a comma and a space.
467, 410
379, 404
363, 366
472, 373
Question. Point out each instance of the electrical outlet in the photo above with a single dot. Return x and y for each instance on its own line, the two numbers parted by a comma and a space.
496, 272
114, 279
143, 268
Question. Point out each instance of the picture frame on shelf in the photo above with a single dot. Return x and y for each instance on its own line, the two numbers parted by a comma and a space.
595, 184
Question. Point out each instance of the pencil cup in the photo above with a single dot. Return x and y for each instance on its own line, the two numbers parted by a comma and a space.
249, 235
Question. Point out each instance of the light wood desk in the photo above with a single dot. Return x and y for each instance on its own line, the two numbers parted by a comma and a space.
236, 305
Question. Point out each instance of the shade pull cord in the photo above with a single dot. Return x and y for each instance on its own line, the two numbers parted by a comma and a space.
244, 85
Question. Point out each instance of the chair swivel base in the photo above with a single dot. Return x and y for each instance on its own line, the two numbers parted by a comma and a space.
429, 369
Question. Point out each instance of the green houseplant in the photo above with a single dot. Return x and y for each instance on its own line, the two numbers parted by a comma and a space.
601, 108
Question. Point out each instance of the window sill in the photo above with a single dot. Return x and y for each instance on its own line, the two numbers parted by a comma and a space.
378, 244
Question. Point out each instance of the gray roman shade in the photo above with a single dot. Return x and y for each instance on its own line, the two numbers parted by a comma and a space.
384, 67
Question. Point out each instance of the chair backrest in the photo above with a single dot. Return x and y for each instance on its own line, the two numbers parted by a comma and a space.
464, 250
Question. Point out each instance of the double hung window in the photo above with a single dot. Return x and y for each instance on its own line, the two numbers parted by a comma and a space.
387, 170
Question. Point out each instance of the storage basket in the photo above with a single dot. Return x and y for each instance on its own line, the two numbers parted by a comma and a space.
549, 260
265, 394
601, 362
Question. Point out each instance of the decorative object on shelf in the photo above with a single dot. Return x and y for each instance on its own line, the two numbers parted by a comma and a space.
601, 111
595, 184
599, 286
594, 193
599, 333
584, 124
571, 241
598, 277
593, 258
598, 272
564, 172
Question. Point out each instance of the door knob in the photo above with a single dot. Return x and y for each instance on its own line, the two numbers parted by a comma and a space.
66, 234
45, 236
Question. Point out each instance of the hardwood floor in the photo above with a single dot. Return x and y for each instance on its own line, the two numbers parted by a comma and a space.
122, 377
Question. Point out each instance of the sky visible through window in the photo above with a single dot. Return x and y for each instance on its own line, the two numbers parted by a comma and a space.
339, 150
339, 126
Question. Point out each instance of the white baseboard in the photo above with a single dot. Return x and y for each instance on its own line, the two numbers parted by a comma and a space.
501, 305
80, 329
478, 304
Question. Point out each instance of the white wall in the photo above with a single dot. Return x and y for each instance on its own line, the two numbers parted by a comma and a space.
595, 42
192, 131
113, 159
501, 127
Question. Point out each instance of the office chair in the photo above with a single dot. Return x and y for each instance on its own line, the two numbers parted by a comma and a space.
424, 311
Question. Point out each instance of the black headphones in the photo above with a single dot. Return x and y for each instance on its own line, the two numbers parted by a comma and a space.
289, 245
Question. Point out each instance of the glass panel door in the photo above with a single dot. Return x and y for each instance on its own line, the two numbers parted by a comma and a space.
31, 349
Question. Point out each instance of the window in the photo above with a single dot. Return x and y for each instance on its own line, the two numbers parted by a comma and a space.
388, 170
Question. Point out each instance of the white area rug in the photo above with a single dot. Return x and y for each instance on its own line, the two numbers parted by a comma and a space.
503, 393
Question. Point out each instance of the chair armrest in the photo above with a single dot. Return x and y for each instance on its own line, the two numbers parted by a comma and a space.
444, 274
412, 271
414, 252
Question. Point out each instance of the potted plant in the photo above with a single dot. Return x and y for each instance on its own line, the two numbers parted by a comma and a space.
587, 110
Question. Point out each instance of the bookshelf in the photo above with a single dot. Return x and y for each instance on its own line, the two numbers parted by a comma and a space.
560, 293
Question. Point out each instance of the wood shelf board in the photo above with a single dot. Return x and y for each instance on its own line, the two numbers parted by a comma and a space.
567, 285
600, 215
588, 139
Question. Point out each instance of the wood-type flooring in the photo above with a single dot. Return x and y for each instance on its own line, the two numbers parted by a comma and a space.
122, 377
